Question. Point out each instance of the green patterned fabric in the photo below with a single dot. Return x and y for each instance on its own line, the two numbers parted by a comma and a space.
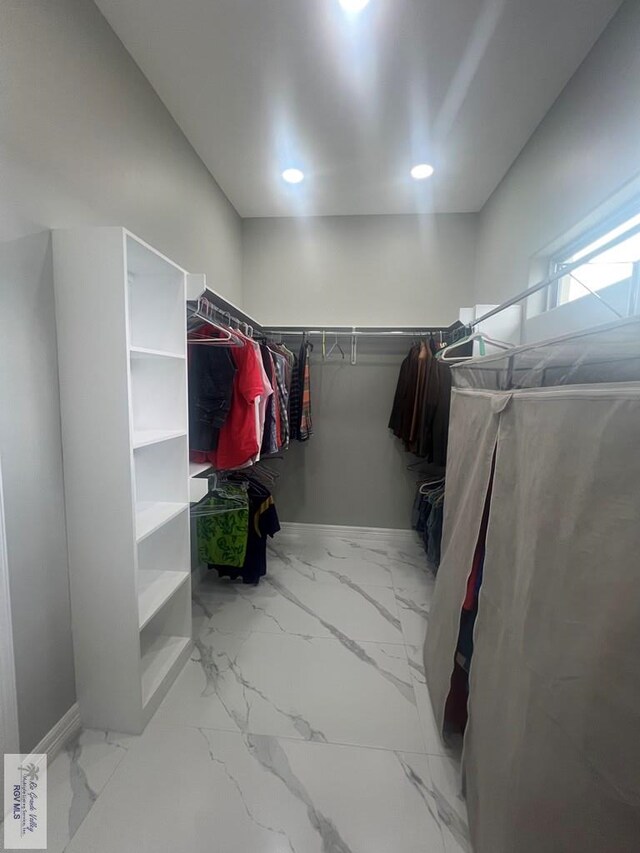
222, 538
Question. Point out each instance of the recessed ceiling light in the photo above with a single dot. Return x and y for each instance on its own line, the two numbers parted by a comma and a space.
421, 171
354, 5
293, 176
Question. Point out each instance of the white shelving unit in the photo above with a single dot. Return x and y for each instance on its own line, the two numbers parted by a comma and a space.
120, 309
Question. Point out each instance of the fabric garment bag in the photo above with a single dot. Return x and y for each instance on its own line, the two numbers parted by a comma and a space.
552, 753
472, 438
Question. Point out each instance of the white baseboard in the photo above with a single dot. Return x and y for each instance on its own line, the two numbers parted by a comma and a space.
355, 532
54, 741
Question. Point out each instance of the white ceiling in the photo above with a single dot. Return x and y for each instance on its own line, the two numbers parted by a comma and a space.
260, 85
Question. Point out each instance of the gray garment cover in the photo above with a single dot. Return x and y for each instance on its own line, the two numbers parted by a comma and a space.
552, 753
472, 437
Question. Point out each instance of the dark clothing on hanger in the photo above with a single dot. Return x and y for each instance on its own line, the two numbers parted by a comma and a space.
424, 369
263, 522
268, 438
427, 517
435, 424
295, 400
211, 372
404, 401
420, 411
300, 426
395, 420
306, 425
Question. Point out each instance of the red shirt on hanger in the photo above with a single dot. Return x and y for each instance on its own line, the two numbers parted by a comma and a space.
239, 440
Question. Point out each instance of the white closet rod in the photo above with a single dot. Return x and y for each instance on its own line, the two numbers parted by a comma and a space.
355, 332
360, 331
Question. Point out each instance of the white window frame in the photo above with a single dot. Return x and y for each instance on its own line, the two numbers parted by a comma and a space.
554, 292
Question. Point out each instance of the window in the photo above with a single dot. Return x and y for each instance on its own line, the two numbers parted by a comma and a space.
611, 267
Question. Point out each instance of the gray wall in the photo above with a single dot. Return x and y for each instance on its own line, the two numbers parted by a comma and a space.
33, 487
359, 270
83, 140
353, 470
586, 150
362, 270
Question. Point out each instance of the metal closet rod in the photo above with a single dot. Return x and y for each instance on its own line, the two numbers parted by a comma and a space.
363, 331
566, 270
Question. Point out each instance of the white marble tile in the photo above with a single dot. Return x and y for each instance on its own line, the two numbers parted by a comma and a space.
446, 784
335, 690
410, 570
194, 699
416, 662
413, 607
202, 791
386, 561
291, 603
329, 559
262, 742
75, 779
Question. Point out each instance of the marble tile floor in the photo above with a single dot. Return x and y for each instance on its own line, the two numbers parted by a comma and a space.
301, 723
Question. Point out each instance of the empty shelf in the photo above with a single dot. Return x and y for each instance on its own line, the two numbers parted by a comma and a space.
151, 515
158, 657
145, 352
145, 437
155, 588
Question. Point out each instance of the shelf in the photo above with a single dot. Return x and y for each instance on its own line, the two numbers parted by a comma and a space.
196, 468
152, 515
157, 660
131, 589
144, 352
156, 295
155, 588
145, 437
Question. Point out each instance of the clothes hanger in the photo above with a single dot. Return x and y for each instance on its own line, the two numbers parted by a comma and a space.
476, 336
430, 486
205, 312
203, 510
228, 339
335, 345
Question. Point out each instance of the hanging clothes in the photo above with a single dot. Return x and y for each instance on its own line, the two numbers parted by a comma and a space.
222, 527
427, 519
263, 400
420, 410
301, 426
306, 425
402, 389
211, 374
423, 360
434, 423
280, 365
262, 522
286, 360
239, 442
269, 438
245, 399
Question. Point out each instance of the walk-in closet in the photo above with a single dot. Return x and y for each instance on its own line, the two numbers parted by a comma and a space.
319, 426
